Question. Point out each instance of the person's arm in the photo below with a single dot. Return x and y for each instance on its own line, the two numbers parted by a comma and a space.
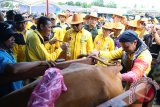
140, 66
24, 67
157, 38
40, 50
115, 54
155, 35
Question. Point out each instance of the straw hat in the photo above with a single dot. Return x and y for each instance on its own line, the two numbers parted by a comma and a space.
101, 19
62, 14
77, 18
94, 15
108, 25
118, 14
52, 15
118, 26
133, 23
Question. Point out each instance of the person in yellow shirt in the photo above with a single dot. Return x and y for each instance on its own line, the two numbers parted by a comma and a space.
117, 29
136, 58
62, 22
56, 36
118, 18
142, 23
79, 40
35, 47
103, 42
20, 38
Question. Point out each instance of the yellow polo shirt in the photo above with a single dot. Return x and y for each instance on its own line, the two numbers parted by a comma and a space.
35, 48
141, 67
59, 35
102, 43
19, 46
79, 43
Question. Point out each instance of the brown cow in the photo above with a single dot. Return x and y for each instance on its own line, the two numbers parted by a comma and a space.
88, 86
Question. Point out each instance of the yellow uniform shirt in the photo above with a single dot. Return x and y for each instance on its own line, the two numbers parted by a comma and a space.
102, 43
64, 26
141, 33
35, 48
141, 66
19, 47
28, 25
59, 35
79, 43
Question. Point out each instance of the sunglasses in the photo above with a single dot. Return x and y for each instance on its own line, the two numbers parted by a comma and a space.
142, 23
76, 25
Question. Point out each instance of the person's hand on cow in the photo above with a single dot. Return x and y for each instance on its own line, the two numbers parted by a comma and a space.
94, 53
48, 63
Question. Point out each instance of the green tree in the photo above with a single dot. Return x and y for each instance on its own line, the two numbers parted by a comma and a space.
70, 3
85, 5
60, 3
78, 3
98, 3
7, 4
111, 4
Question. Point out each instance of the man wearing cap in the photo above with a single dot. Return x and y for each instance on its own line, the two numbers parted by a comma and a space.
20, 38
62, 18
117, 29
8, 65
103, 42
92, 24
79, 40
136, 58
10, 18
35, 43
118, 19
142, 23
152, 41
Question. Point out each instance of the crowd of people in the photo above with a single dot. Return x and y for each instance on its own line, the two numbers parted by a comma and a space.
30, 41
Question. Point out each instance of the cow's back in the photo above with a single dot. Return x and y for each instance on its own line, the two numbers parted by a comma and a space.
89, 85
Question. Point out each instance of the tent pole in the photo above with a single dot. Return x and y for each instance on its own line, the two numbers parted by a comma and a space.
47, 12
30, 10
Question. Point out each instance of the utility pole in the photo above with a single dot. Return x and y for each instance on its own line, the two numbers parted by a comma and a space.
47, 9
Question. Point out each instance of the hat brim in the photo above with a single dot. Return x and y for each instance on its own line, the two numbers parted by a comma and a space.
78, 22
118, 28
88, 16
118, 15
62, 15
106, 28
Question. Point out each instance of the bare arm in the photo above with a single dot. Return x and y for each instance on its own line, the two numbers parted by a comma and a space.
154, 31
157, 38
23, 67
